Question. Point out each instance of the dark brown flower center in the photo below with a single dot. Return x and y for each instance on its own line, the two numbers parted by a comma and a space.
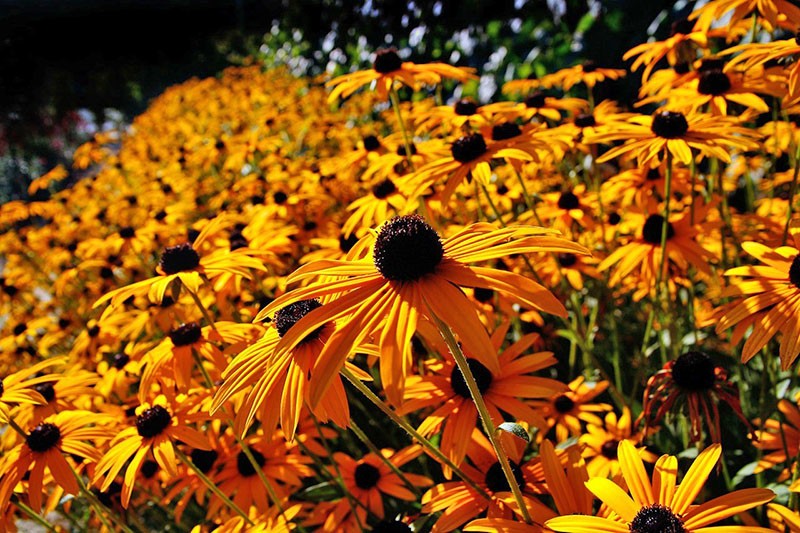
387, 61
20, 328
483, 295
120, 360
153, 421
483, 377
585, 120
383, 189
204, 459
711, 63
589, 66
614, 218
245, 467
2, 387
535, 100
366, 476
465, 107
567, 260
288, 316
401, 150
713, 83
371, 143
653, 174
496, 481
506, 130
43, 437
179, 258
46, 390
127, 232
149, 469
468, 147
651, 231
794, 271
568, 200
656, 519
407, 248
563, 404
669, 124
694, 371
609, 449
186, 334
346, 243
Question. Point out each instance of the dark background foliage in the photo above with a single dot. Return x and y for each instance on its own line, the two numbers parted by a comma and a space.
94, 55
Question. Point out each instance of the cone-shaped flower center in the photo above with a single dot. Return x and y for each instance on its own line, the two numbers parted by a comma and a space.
179, 258
794, 271
465, 107
694, 371
43, 437
407, 248
585, 120
383, 189
656, 519
288, 316
153, 421
535, 100
564, 404
46, 390
127, 232
186, 334
204, 459
468, 147
669, 124
496, 481
506, 130
568, 200
609, 449
366, 476
483, 377
651, 231
387, 61
567, 260
713, 83
245, 467
371, 143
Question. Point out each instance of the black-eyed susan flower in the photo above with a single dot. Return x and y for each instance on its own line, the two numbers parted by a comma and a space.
662, 505
368, 479
46, 447
677, 48
695, 381
601, 444
20, 387
410, 273
650, 138
566, 410
768, 299
454, 414
387, 69
156, 430
779, 440
185, 263
773, 13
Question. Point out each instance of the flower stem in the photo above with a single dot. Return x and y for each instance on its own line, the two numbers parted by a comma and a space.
413, 433
372, 448
486, 418
406, 137
34, 516
212, 486
790, 209
103, 513
202, 309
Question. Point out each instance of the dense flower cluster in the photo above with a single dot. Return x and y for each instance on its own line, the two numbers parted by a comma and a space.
274, 304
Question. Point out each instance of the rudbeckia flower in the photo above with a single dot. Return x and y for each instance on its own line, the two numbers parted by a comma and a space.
692, 379
411, 274
46, 446
185, 263
650, 138
565, 411
156, 429
387, 69
775, 13
663, 505
682, 35
20, 387
770, 299
779, 440
601, 444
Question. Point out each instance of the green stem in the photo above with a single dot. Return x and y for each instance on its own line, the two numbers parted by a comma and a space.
790, 209
103, 512
202, 308
406, 137
34, 516
413, 433
212, 486
488, 424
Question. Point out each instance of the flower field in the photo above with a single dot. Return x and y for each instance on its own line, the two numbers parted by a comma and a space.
281, 303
